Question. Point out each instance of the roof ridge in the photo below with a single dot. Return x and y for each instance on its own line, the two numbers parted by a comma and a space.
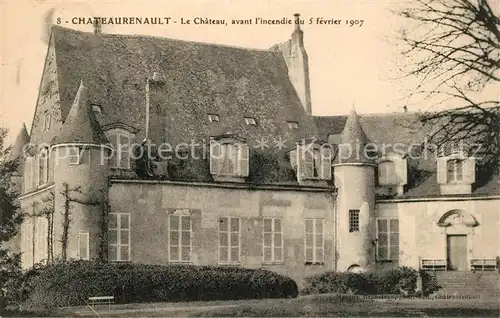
368, 115
148, 36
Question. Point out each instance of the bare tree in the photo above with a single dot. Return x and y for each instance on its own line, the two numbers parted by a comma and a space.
453, 49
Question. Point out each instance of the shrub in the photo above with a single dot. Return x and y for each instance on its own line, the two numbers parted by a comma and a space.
429, 282
71, 283
392, 281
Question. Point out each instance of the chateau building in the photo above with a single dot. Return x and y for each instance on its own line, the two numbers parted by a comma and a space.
153, 150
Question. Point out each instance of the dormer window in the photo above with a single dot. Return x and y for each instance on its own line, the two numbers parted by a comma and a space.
393, 172
314, 162
387, 173
456, 173
455, 170
96, 109
213, 118
293, 125
121, 141
229, 157
250, 121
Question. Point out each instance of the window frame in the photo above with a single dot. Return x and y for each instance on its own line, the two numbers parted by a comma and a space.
226, 150
213, 118
72, 156
314, 247
389, 232
388, 179
221, 152
273, 245
229, 246
180, 215
118, 244
96, 109
250, 121
43, 161
115, 161
354, 220
87, 240
455, 171
293, 124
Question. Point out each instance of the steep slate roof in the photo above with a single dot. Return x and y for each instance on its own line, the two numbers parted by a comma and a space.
353, 141
196, 79
81, 126
22, 139
404, 131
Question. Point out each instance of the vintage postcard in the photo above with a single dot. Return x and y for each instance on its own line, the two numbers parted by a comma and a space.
250, 158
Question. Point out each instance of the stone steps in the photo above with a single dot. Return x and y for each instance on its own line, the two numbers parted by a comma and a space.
468, 284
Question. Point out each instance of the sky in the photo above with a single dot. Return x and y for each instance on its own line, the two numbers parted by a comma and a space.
349, 65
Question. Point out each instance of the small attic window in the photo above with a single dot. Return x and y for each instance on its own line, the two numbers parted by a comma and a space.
250, 121
97, 109
293, 125
213, 118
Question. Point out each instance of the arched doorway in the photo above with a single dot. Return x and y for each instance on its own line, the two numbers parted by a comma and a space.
457, 227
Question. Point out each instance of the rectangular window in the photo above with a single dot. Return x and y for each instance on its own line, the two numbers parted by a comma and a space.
74, 155
455, 170
180, 238
83, 246
293, 125
250, 121
213, 118
121, 143
353, 221
229, 240
119, 237
314, 241
272, 240
230, 159
388, 239
43, 167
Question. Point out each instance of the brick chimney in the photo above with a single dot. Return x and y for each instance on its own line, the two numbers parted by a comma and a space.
297, 61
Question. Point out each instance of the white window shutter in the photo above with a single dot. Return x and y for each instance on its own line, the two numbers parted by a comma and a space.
215, 157
300, 163
401, 166
441, 170
243, 161
27, 174
469, 166
326, 163
308, 158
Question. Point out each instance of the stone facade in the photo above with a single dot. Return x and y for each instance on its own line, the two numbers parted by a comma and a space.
294, 214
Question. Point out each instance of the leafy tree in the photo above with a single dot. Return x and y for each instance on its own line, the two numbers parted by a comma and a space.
11, 215
452, 47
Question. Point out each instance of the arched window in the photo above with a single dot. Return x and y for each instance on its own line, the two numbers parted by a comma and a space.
43, 166
454, 170
387, 173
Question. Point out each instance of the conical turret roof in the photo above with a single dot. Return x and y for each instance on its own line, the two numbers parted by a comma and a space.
81, 125
354, 144
22, 140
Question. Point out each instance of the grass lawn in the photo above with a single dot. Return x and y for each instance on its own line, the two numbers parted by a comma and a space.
331, 305
307, 306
